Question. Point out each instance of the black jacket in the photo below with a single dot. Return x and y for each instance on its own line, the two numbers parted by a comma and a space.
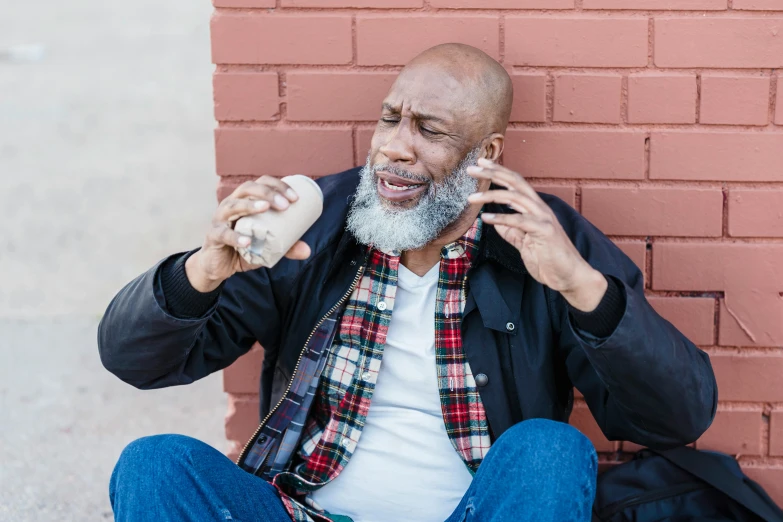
642, 379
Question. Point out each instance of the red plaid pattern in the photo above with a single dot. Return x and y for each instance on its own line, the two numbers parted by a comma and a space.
344, 393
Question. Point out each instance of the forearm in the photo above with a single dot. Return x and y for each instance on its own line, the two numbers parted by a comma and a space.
657, 388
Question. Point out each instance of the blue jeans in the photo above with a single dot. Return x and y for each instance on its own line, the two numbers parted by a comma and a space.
539, 470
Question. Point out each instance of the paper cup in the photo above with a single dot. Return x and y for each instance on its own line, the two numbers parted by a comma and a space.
274, 232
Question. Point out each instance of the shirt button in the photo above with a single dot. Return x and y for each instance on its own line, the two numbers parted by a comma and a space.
510, 326
382, 306
482, 379
346, 442
366, 376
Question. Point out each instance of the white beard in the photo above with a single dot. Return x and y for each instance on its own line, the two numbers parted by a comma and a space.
399, 229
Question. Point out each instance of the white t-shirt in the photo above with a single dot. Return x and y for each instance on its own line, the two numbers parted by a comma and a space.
404, 466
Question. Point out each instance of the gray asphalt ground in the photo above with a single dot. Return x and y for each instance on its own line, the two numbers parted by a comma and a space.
106, 166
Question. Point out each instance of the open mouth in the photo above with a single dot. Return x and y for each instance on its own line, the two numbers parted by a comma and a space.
392, 186
398, 189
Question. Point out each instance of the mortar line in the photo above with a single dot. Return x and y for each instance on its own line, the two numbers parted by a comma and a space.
774, 102
502, 39
354, 44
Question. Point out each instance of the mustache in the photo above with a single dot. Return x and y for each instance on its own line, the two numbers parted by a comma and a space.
397, 171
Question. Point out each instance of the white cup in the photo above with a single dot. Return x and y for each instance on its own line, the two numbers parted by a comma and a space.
274, 232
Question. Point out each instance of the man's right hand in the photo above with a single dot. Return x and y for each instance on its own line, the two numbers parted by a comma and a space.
218, 259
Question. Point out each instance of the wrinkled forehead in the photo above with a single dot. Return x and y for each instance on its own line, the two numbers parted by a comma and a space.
433, 91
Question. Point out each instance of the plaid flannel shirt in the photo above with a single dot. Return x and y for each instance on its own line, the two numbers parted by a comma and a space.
334, 387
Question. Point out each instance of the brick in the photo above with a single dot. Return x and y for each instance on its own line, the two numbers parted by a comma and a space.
737, 100
748, 377
244, 374
565, 192
322, 96
752, 316
758, 5
576, 42
244, 3
749, 275
272, 39
776, 433
412, 34
661, 98
693, 316
353, 3
363, 144
588, 98
282, 151
229, 184
771, 479
590, 154
234, 448
241, 418
756, 213
631, 447
583, 420
503, 4
635, 250
736, 432
246, 96
718, 42
669, 5
529, 98
712, 267
622, 211
717, 156
779, 102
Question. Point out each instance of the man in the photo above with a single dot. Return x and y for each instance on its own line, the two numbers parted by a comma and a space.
421, 342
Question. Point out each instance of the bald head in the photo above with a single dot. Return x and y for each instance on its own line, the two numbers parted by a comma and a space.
447, 108
485, 85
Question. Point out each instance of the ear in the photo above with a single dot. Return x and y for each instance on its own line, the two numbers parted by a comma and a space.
493, 147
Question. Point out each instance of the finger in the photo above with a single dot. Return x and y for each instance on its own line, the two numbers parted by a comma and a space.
299, 251
523, 222
232, 209
515, 200
225, 235
280, 186
514, 236
504, 177
262, 191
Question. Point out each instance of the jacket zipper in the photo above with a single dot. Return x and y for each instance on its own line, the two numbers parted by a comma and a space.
669, 492
243, 454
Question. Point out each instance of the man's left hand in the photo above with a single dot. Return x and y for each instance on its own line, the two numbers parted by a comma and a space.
548, 253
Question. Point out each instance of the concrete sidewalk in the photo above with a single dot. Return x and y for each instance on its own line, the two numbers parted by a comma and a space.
106, 166
64, 420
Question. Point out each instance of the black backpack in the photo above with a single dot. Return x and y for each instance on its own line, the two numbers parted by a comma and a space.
681, 485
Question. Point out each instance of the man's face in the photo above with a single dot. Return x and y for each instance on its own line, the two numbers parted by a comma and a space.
427, 126
415, 183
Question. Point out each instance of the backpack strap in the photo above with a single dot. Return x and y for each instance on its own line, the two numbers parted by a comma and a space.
705, 467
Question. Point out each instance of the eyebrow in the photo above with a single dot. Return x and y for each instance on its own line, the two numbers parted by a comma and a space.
418, 115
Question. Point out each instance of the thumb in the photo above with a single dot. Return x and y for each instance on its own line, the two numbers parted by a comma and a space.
299, 251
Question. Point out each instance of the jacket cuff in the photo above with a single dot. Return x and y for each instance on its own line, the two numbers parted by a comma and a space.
182, 300
602, 321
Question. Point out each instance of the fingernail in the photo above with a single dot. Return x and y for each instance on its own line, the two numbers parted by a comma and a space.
244, 241
486, 215
291, 194
280, 201
261, 205
475, 195
485, 162
474, 169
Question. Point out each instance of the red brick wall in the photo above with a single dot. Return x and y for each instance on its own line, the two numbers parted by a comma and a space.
660, 120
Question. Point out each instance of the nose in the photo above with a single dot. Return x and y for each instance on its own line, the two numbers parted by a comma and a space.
399, 147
